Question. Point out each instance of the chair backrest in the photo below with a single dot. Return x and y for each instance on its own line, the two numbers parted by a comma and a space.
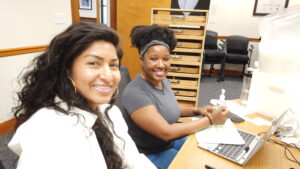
211, 40
237, 44
125, 79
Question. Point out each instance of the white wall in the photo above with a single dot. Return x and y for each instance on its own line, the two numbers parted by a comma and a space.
31, 22
235, 17
23, 24
10, 69
229, 17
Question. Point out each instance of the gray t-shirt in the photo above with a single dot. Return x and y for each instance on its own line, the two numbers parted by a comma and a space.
140, 93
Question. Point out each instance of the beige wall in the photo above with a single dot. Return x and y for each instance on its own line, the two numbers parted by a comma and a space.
31, 22
23, 24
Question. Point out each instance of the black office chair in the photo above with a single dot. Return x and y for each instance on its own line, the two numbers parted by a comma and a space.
237, 51
212, 53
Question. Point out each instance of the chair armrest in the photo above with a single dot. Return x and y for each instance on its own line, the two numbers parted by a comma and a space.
222, 46
250, 53
251, 48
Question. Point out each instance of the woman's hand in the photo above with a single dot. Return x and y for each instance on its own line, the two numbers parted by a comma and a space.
219, 118
205, 110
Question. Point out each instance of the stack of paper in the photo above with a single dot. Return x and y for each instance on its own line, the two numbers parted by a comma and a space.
219, 134
225, 134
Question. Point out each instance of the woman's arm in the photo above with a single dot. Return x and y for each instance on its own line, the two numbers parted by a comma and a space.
186, 111
150, 120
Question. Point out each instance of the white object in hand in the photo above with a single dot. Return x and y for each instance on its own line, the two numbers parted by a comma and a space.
221, 101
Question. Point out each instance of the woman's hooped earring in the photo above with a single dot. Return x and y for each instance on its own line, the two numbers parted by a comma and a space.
73, 83
115, 95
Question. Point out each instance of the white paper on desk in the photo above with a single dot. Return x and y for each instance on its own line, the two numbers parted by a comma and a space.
225, 134
208, 146
237, 109
259, 121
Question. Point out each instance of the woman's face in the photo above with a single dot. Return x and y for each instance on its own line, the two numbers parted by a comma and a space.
155, 63
96, 73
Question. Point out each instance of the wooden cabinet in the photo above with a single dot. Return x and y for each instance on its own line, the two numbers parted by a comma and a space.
186, 63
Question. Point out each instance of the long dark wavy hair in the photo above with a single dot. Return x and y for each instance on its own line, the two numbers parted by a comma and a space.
141, 35
47, 77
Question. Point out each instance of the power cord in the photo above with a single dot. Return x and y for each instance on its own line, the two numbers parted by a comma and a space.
286, 149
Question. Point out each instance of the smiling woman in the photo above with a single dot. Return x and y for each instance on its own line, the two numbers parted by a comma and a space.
148, 102
96, 71
63, 118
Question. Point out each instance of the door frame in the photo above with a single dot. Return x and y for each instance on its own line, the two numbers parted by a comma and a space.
75, 11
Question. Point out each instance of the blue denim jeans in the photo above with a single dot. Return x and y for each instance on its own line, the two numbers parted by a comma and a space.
163, 159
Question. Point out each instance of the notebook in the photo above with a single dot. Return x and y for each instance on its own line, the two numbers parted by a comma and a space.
241, 154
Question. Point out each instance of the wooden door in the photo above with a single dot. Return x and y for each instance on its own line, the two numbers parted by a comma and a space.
129, 14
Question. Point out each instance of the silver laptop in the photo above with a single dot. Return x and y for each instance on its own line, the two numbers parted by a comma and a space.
241, 154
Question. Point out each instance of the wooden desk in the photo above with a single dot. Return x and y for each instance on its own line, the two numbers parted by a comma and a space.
270, 156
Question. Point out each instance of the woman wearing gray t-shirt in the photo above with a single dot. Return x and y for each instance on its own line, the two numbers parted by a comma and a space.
149, 105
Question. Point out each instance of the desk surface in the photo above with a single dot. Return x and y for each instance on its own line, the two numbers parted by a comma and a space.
270, 156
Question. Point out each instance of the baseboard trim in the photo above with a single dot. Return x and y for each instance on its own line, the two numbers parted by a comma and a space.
233, 73
7, 126
250, 39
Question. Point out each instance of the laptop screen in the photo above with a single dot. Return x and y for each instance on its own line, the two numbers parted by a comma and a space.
275, 125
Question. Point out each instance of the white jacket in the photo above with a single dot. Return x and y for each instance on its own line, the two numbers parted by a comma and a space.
52, 140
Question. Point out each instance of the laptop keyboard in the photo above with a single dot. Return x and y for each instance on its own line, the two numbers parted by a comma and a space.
231, 150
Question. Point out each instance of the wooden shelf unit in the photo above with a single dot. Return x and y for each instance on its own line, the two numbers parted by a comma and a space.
186, 63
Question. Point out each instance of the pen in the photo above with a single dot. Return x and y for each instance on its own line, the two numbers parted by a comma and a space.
209, 167
246, 149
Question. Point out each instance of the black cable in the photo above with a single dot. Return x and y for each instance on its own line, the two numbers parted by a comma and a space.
286, 149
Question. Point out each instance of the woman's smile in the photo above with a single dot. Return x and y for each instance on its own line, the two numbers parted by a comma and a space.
103, 89
160, 72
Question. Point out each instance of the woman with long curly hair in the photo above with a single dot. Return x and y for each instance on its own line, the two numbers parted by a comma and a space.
63, 117
149, 105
